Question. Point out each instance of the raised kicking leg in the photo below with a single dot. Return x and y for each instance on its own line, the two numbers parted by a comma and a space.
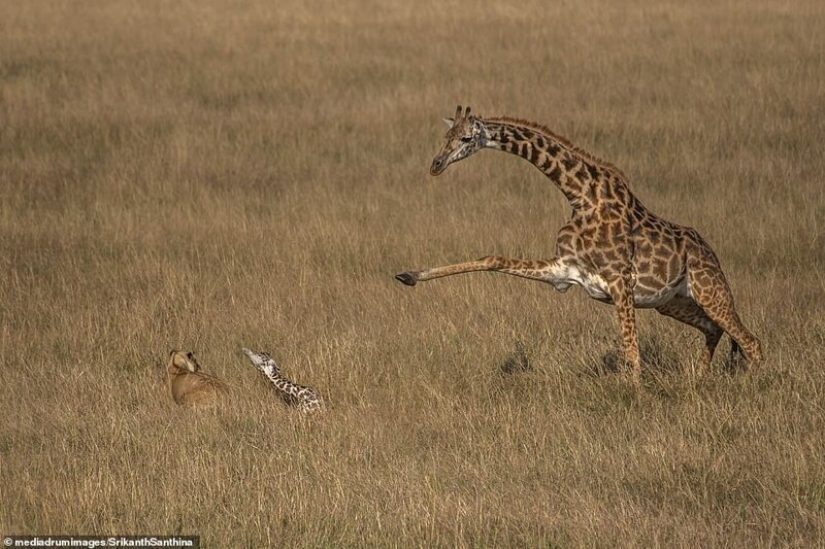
561, 276
554, 271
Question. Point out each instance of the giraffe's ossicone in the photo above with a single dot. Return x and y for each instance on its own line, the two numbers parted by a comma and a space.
616, 249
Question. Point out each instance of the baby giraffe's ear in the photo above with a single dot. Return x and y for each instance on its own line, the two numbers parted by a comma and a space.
449, 122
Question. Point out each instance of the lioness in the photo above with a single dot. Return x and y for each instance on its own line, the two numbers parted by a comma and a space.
187, 384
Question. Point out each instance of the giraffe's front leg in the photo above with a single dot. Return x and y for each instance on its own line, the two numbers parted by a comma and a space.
621, 290
553, 271
410, 278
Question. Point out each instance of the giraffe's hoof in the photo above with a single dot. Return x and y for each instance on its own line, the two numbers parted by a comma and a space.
407, 278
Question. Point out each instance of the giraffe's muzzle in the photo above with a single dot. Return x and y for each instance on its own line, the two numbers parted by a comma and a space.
439, 165
407, 278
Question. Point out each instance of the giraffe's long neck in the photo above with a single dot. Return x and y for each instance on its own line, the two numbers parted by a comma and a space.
306, 397
583, 178
281, 383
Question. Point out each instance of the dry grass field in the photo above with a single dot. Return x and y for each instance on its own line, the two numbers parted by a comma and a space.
216, 174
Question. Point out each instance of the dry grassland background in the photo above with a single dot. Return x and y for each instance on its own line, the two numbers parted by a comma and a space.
206, 175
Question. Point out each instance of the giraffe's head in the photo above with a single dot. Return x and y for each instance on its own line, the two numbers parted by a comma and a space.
467, 135
262, 361
182, 361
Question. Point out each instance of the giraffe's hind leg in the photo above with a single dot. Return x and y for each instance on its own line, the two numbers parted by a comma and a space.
710, 290
686, 310
736, 359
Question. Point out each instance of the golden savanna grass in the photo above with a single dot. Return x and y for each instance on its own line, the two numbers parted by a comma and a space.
211, 175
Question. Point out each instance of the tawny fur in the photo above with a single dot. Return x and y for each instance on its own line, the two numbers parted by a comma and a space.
187, 385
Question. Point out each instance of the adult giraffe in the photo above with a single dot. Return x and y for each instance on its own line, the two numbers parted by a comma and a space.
615, 248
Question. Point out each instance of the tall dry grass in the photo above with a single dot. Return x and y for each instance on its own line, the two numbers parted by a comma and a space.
207, 175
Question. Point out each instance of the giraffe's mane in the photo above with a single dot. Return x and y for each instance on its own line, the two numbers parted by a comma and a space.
566, 143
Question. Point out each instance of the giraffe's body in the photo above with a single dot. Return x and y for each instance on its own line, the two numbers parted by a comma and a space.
617, 250
187, 385
305, 398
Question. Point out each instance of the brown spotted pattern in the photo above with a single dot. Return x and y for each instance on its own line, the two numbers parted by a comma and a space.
305, 399
613, 246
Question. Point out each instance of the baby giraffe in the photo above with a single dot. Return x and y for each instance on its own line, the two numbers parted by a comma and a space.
187, 385
305, 398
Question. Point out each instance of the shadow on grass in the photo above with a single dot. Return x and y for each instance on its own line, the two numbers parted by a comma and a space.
655, 359
658, 360
517, 362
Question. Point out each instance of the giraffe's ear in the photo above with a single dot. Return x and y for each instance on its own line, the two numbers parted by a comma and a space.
449, 121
